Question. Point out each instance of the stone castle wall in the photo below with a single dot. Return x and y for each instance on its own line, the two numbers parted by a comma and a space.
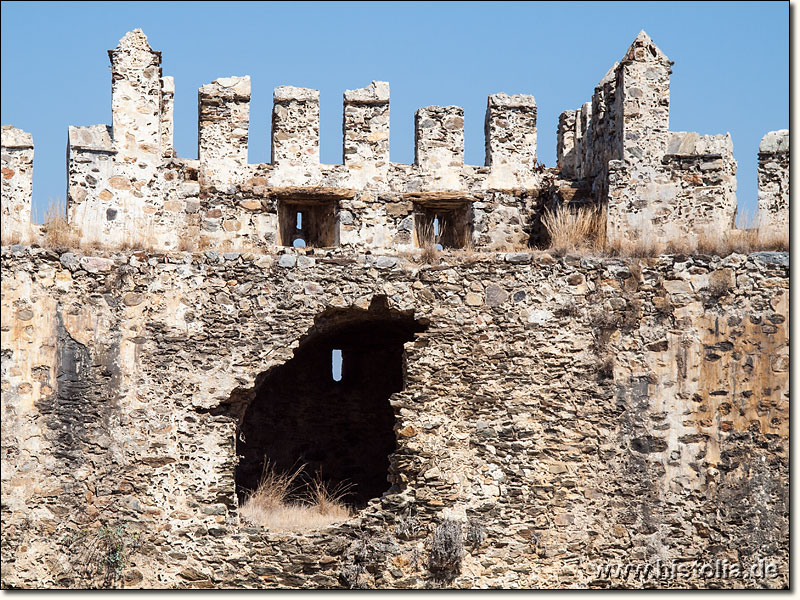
565, 412
548, 415
658, 185
222, 201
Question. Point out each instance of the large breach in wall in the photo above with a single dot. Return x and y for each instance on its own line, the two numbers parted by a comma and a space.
331, 415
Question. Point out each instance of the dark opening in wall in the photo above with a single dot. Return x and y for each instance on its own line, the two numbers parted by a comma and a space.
308, 222
341, 429
444, 224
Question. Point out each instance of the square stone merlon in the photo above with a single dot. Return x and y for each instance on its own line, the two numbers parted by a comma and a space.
365, 124
295, 126
510, 132
224, 120
16, 138
17, 185
136, 89
773, 186
774, 142
439, 138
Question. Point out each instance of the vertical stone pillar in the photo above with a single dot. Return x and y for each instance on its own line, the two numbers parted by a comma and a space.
645, 101
224, 121
17, 185
167, 119
510, 135
295, 127
365, 127
773, 187
136, 98
95, 198
565, 146
439, 137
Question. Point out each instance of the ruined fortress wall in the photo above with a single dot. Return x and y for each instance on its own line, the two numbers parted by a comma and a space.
773, 185
691, 195
17, 185
564, 412
126, 187
658, 185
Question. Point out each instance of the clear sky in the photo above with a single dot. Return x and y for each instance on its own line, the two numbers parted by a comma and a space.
731, 71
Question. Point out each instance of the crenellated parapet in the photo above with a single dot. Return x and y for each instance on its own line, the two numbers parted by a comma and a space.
17, 185
658, 185
773, 186
127, 186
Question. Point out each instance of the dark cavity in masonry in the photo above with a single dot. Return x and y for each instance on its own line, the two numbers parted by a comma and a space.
328, 407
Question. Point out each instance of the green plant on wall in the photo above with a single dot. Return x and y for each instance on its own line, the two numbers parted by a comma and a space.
100, 556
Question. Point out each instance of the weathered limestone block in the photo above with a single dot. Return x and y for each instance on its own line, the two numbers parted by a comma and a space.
224, 121
295, 130
365, 129
96, 199
773, 186
439, 143
510, 130
17, 185
136, 98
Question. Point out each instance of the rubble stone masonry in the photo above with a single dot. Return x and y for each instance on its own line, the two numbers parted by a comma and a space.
773, 185
510, 418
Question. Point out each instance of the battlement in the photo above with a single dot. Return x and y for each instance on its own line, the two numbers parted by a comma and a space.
125, 182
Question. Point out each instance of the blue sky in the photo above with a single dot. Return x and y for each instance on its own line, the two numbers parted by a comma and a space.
731, 71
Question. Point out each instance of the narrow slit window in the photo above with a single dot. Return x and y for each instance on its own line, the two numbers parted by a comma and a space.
299, 221
336, 364
436, 234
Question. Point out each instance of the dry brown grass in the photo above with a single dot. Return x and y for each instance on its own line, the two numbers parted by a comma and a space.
582, 231
276, 505
58, 234
426, 239
574, 231
11, 239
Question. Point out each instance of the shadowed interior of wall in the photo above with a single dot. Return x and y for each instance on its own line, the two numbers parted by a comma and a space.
341, 431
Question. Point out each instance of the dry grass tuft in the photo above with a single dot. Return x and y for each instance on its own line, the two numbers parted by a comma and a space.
582, 231
274, 503
58, 234
11, 239
575, 231
427, 241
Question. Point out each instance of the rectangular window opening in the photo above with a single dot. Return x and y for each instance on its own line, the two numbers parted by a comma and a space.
308, 222
443, 225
